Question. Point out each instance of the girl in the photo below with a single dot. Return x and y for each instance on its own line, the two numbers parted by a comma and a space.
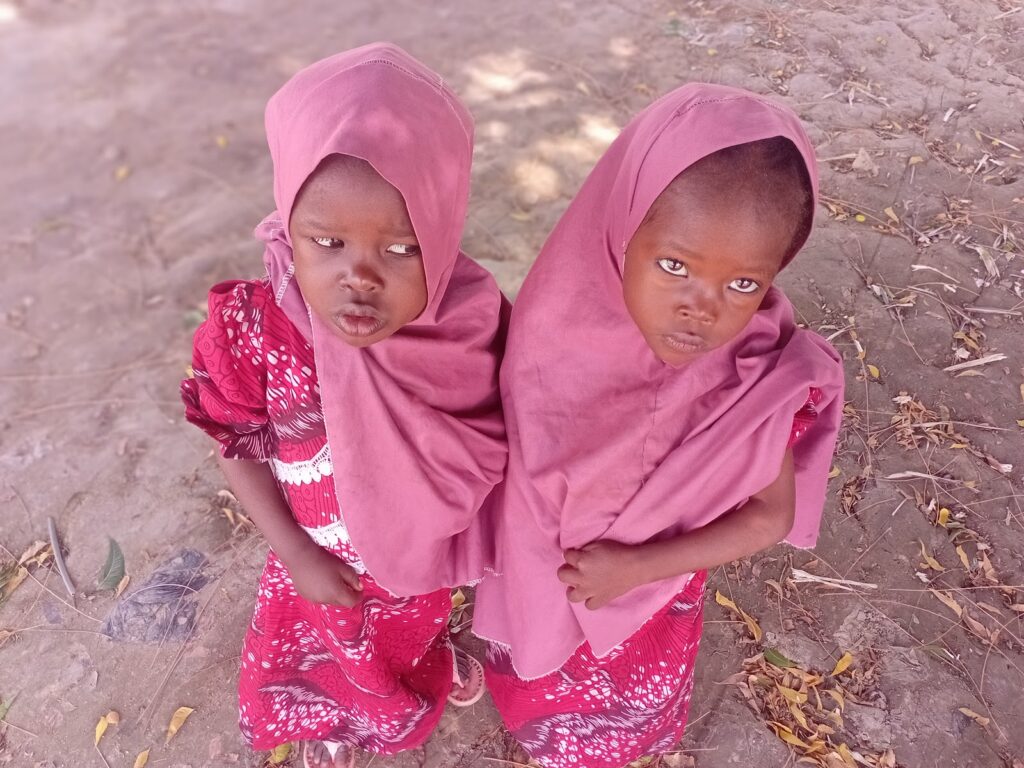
354, 394
665, 415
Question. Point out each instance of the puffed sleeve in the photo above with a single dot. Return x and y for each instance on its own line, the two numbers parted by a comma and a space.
227, 395
806, 416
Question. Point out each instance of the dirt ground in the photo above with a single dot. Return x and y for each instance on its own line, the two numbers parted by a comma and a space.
134, 168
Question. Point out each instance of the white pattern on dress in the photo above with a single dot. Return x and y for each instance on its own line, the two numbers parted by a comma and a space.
305, 472
335, 537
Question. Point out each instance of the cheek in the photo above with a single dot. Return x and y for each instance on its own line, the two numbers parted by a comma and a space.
411, 290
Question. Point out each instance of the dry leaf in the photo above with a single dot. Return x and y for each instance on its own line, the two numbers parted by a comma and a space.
982, 721
180, 716
873, 370
963, 557
914, 160
929, 561
943, 517
122, 172
142, 759
835, 472
892, 215
842, 665
222, 141
122, 585
280, 753
948, 601
111, 718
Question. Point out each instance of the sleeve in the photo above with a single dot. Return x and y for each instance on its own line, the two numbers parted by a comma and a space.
804, 418
226, 396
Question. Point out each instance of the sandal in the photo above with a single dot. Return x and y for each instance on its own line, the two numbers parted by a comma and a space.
467, 679
342, 755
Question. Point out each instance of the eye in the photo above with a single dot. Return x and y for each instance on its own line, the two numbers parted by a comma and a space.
327, 242
673, 267
745, 285
404, 249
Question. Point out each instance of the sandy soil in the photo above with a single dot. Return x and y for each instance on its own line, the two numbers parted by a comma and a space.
134, 169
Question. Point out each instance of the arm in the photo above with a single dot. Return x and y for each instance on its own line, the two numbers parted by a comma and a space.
319, 576
603, 570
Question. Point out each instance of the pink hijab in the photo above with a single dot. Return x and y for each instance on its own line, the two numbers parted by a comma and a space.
608, 442
414, 422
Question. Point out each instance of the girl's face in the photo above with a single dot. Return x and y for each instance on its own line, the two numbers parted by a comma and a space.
357, 260
698, 267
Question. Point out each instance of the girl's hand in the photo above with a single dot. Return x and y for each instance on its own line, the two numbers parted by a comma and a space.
320, 577
600, 572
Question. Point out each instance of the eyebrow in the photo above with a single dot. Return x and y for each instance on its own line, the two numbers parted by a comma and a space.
316, 224
679, 247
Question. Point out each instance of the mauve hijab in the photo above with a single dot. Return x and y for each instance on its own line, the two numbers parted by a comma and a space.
608, 442
414, 421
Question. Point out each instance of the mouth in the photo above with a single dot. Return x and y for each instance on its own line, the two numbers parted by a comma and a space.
687, 343
359, 320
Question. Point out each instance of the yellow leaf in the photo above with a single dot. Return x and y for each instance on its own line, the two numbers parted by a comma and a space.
142, 759
712, 52
180, 716
948, 601
892, 215
931, 562
847, 755
280, 753
836, 472
873, 370
111, 718
791, 738
798, 715
724, 601
793, 696
963, 557
222, 141
842, 665
943, 517
752, 625
101, 728
122, 172
1020, 422
458, 599
122, 585
982, 721
860, 217
915, 160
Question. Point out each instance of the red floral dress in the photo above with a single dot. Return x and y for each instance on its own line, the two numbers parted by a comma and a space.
375, 676
606, 712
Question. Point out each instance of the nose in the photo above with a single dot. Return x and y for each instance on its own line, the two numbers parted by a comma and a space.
697, 305
359, 273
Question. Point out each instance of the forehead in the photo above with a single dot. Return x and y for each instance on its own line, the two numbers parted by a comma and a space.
345, 183
715, 226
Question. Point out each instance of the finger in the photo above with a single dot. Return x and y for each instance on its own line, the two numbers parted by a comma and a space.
575, 595
569, 575
351, 578
572, 557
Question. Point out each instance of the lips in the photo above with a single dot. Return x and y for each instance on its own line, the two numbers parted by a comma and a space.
359, 320
685, 342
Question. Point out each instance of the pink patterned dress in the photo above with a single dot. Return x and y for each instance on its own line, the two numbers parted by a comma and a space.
606, 712
375, 676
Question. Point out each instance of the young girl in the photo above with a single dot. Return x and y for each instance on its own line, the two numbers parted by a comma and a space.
354, 395
665, 416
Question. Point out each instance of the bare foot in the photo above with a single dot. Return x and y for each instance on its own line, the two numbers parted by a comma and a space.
315, 754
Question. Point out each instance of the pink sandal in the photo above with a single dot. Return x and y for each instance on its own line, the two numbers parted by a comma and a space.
467, 679
342, 755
